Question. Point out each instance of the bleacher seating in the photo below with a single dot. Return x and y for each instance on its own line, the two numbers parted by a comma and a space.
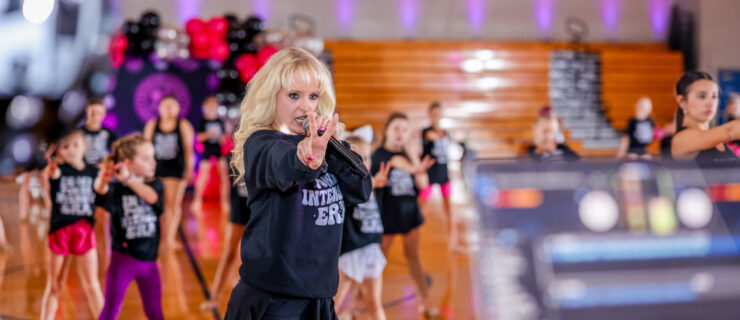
495, 107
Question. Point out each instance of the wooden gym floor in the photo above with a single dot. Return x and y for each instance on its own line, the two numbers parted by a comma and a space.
23, 271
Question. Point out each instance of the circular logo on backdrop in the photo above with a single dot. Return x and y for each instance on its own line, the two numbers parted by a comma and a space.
155, 87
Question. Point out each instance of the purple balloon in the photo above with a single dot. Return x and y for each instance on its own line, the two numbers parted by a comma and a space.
109, 101
112, 82
187, 65
110, 121
215, 64
212, 81
134, 65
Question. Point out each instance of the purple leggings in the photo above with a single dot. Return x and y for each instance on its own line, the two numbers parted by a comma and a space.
122, 270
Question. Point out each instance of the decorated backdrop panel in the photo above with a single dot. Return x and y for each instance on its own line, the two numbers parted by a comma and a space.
141, 84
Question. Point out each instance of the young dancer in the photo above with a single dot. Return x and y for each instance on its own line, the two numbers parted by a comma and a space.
173, 149
361, 262
546, 148
238, 217
436, 144
639, 132
399, 208
71, 233
97, 138
211, 133
134, 201
697, 98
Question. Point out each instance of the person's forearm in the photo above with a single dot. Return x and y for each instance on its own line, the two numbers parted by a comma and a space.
143, 190
100, 187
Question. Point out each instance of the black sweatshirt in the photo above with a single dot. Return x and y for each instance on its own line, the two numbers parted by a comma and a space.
291, 243
134, 224
72, 196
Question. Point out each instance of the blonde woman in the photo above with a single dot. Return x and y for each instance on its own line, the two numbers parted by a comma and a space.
297, 192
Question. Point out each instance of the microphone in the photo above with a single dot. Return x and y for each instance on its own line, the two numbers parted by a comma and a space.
345, 154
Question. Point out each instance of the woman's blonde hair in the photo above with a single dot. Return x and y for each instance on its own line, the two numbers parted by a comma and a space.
259, 105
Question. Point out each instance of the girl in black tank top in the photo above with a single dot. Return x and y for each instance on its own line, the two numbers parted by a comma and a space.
168, 152
211, 132
397, 200
696, 93
173, 151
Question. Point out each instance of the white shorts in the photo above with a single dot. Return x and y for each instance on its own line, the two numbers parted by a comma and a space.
364, 263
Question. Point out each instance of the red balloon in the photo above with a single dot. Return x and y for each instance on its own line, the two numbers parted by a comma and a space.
247, 66
264, 54
116, 59
195, 25
200, 40
200, 45
244, 61
218, 26
201, 53
119, 42
220, 51
117, 50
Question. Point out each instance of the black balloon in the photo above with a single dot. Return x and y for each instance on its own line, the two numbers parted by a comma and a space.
231, 36
254, 25
150, 20
231, 98
221, 96
130, 28
233, 74
249, 47
147, 45
241, 34
222, 74
232, 19
234, 47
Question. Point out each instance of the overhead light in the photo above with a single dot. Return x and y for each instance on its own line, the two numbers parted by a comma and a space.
37, 11
489, 83
495, 64
472, 65
484, 55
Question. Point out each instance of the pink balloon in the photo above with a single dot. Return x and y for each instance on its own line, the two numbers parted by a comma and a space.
195, 25
200, 45
264, 54
218, 26
200, 40
245, 61
220, 51
117, 50
247, 66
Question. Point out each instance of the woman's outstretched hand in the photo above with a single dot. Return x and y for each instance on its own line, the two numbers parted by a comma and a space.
312, 149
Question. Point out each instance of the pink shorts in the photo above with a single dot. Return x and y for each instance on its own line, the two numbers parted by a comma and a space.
427, 193
75, 239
